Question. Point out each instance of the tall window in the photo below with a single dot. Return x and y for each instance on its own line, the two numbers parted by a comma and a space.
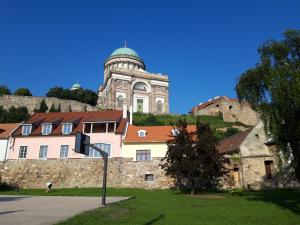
105, 147
142, 155
140, 103
43, 152
46, 129
64, 150
120, 101
67, 128
268, 167
159, 106
26, 129
23, 152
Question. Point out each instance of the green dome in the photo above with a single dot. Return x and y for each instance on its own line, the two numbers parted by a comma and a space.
125, 51
75, 86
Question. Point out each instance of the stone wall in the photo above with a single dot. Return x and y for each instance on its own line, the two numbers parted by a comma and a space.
1, 170
69, 173
33, 102
232, 111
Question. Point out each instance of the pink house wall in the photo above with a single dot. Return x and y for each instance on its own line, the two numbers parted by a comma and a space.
54, 143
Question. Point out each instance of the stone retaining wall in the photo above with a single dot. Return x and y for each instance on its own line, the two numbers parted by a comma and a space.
70, 173
33, 102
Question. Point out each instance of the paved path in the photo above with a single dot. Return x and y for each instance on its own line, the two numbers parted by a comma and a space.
43, 210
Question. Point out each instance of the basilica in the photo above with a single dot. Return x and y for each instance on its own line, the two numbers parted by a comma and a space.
126, 82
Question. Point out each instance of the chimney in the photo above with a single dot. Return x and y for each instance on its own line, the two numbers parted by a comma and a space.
124, 111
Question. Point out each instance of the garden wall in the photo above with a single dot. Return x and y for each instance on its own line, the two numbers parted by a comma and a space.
70, 173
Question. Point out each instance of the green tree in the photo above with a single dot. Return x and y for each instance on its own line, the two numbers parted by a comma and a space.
4, 90
192, 159
23, 92
43, 107
53, 109
272, 87
13, 115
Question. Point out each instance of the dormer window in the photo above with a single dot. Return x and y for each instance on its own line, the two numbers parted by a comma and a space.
46, 128
26, 129
142, 133
174, 132
67, 128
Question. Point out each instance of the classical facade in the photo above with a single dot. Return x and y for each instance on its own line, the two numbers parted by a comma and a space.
126, 82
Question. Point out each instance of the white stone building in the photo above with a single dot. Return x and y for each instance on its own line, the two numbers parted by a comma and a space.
126, 82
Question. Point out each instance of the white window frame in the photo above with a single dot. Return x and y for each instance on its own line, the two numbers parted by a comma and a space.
43, 156
24, 150
69, 125
95, 154
26, 129
44, 128
142, 133
64, 151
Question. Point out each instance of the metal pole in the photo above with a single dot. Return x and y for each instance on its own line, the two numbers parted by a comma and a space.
104, 180
105, 159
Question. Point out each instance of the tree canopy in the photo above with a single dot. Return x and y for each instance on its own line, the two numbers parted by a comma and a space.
81, 95
272, 87
23, 92
192, 158
4, 90
43, 107
13, 115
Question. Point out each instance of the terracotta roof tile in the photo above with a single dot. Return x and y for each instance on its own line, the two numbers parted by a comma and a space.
78, 118
232, 143
6, 129
154, 133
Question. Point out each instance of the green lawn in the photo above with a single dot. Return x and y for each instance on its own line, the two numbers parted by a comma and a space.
270, 207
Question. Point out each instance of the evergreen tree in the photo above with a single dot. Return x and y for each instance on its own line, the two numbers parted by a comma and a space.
52, 108
43, 107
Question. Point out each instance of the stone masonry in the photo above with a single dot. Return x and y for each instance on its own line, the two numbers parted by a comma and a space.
70, 173
33, 102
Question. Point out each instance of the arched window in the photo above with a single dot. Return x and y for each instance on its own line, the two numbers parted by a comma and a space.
140, 86
120, 101
159, 106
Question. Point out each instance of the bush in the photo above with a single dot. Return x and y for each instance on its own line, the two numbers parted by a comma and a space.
23, 92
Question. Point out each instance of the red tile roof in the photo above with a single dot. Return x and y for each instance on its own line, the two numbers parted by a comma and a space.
78, 118
158, 134
232, 143
6, 129
215, 100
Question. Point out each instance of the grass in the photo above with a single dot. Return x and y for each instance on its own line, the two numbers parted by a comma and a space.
170, 119
269, 207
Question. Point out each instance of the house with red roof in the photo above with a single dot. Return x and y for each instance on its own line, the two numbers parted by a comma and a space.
52, 135
6, 130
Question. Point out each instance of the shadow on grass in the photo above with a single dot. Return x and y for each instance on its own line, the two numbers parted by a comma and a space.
159, 217
285, 198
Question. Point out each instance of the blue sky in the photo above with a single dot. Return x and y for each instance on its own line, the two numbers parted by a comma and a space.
202, 45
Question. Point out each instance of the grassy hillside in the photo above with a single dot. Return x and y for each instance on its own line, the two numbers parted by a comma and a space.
169, 119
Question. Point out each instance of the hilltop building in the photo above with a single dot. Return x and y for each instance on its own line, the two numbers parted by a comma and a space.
230, 108
126, 82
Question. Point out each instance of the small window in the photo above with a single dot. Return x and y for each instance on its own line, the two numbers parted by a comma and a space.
143, 155
67, 128
120, 101
159, 106
217, 105
87, 128
174, 132
46, 129
142, 133
99, 128
43, 152
230, 107
149, 177
64, 151
23, 152
26, 129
